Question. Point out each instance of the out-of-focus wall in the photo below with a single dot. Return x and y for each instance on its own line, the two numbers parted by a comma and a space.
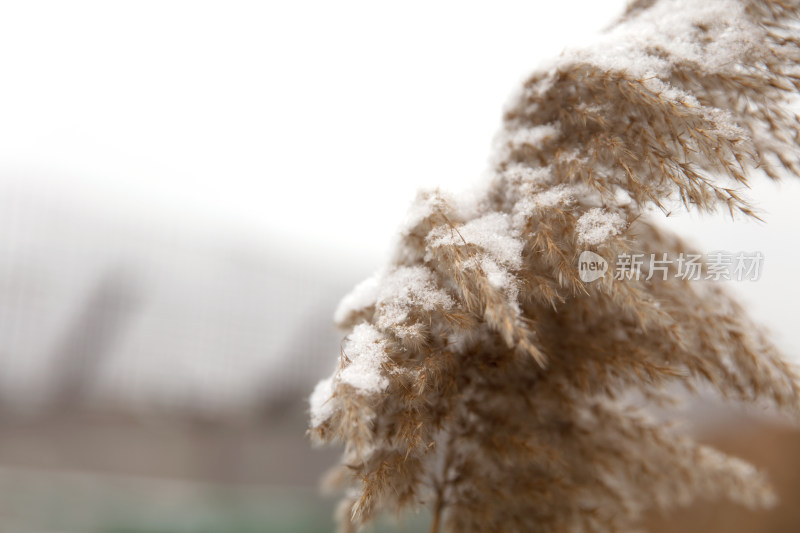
98, 310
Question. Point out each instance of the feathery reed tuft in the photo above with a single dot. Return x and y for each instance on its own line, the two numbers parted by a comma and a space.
483, 378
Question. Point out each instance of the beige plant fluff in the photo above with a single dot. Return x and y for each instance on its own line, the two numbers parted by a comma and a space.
482, 379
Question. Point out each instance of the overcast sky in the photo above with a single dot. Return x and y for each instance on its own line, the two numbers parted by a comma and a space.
309, 120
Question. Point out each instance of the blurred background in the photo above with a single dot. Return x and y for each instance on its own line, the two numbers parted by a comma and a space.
186, 191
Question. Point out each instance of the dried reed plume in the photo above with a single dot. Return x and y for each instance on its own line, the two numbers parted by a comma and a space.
482, 378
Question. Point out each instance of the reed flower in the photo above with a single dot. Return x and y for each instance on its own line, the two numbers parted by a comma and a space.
482, 377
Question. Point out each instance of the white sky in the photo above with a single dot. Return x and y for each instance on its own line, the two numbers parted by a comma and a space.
305, 122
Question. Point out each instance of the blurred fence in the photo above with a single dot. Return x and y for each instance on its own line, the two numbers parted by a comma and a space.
136, 315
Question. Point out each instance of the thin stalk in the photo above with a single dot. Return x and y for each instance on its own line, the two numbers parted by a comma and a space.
441, 486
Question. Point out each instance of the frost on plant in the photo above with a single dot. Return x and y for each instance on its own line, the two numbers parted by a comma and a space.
481, 378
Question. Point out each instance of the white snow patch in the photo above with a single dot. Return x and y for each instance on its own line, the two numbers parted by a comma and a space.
404, 288
521, 173
322, 403
673, 28
670, 92
493, 232
534, 136
508, 140
560, 195
424, 205
395, 292
363, 295
366, 349
533, 93
597, 225
498, 276
724, 124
